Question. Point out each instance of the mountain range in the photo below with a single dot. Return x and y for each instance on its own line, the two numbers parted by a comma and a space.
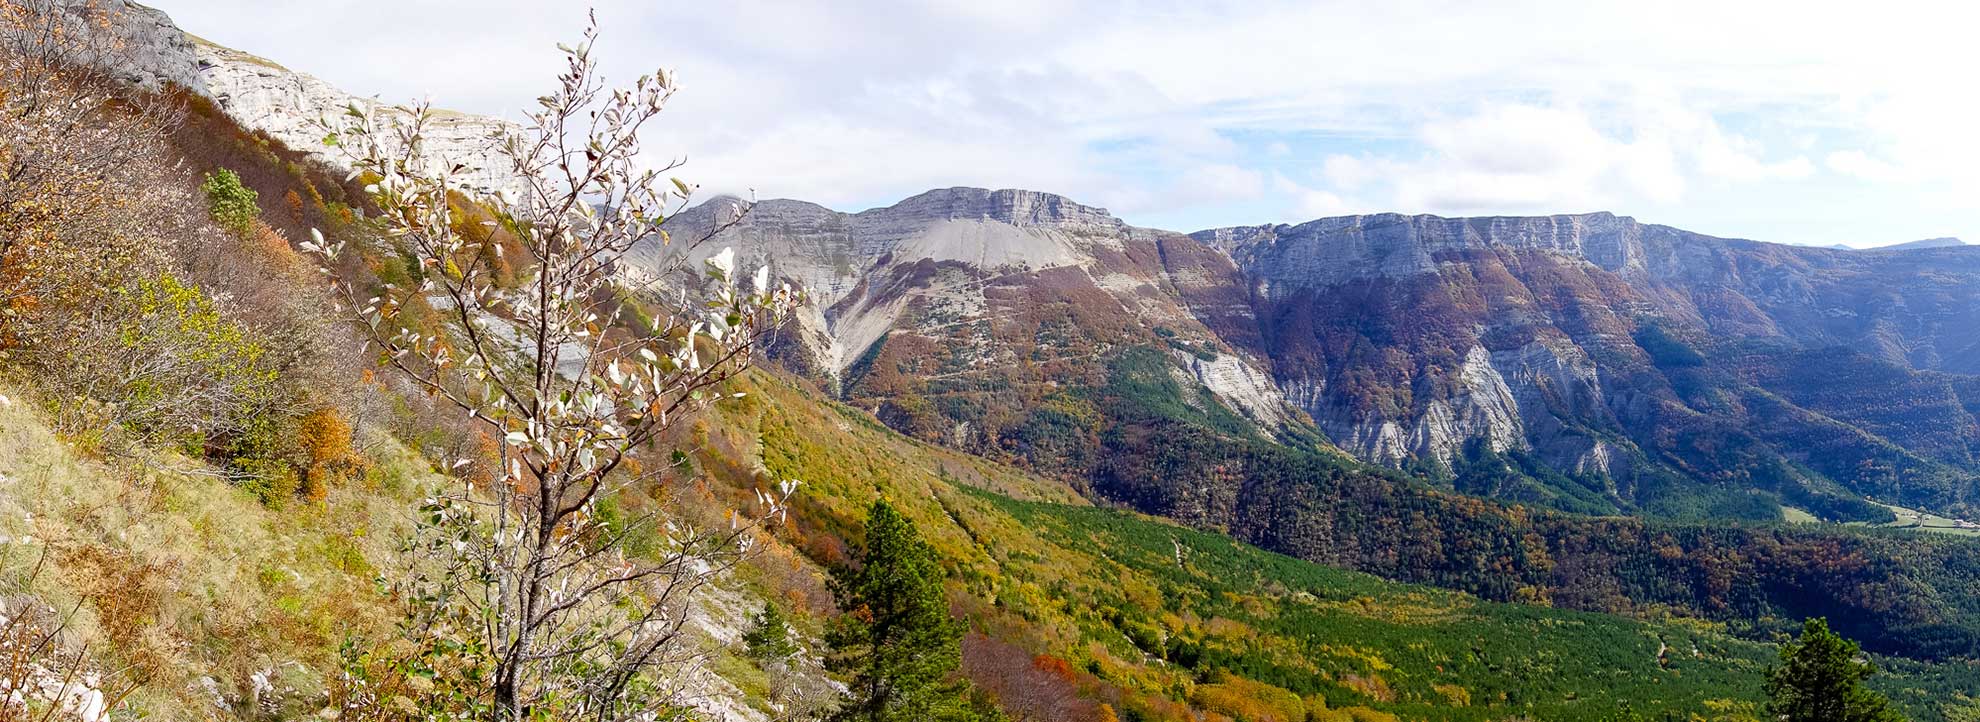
1550, 415
1625, 367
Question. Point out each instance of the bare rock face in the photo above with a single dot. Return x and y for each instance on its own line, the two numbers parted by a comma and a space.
1552, 381
1249, 390
289, 106
847, 261
262, 95
1483, 406
1333, 250
149, 51
1012, 207
1587, 344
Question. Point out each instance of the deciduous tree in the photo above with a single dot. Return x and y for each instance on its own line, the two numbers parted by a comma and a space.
84, 189
538, 608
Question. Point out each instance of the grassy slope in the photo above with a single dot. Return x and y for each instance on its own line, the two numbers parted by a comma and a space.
1103, 590
177, 576
186, 577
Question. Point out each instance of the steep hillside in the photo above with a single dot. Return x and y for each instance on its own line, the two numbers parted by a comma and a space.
1630, 368
1587, 364
1618, 352
1149, 615
980, 318
185, 588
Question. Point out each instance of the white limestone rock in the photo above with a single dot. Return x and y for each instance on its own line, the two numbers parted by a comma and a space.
1329, 251
1485, 407
848, 262
262, 95
147, 49
289, 106
1243, 387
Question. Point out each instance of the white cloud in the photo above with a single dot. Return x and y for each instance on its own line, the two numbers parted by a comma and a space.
1226, 181
1729, 162
1516, 158
1310, 203
1860, 164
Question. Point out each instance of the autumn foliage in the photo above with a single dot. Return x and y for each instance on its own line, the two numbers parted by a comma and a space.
325, 437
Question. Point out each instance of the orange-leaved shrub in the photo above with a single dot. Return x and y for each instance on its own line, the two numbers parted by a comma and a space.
325, 437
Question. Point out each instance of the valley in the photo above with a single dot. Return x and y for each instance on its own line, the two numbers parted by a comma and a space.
318, 407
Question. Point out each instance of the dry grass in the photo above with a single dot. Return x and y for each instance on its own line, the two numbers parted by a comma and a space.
181, 577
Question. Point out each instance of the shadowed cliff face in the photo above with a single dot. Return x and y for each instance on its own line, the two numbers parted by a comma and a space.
1638, 367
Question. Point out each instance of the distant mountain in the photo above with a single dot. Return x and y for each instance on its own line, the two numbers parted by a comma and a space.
1614, 366
1618, 352
1945, 242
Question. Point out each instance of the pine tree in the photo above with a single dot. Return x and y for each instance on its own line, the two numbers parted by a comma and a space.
769, 636
895, 635
1820, 679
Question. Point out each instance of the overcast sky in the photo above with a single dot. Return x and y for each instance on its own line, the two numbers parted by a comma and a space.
1801, 122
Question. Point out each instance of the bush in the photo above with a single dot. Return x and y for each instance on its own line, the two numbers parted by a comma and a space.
233, 206
189, 366
273, 481
325, 438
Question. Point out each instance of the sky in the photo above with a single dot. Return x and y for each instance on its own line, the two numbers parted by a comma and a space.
1803, 122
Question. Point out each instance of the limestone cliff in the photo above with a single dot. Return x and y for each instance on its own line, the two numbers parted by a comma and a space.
263, 95
960, 315
976, 299
1332, 250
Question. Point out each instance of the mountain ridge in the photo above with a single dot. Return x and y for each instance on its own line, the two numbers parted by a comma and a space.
1403, 339
1563, 368
1940, 242
288, 105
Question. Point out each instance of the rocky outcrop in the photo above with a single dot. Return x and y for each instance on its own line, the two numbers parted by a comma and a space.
144, 47
262, 95
290, 107
1242, 387
1009, 206
1483, 407
848, 261
1553, 384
